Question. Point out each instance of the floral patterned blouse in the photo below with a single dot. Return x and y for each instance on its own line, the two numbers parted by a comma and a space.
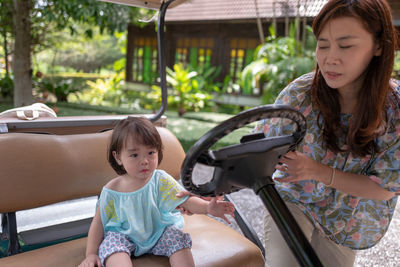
352, 221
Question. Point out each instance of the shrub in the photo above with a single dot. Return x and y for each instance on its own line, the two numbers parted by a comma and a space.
279, 61
186, 94
7, 87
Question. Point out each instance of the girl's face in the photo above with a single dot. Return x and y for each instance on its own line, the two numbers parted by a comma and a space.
344, 51
139, 160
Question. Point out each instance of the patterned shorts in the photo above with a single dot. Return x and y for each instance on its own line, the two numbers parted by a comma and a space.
172, 240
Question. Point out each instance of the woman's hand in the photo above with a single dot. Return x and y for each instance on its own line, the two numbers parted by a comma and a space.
300, 167
91, 260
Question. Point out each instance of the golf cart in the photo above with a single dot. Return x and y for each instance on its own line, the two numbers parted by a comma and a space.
49, 160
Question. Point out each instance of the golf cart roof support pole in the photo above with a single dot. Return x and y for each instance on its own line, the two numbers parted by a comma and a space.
287, 225
162, 59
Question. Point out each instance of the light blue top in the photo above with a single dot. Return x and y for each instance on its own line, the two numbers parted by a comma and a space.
143, 214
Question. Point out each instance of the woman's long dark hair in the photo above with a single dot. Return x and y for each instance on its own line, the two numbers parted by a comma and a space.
373, 98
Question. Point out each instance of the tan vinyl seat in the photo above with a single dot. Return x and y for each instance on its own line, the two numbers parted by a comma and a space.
41, 169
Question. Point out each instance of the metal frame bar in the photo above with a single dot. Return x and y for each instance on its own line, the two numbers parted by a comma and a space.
162, 59
246, 227
9, 228
286, 224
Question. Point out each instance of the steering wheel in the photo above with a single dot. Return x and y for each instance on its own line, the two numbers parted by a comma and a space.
244, 165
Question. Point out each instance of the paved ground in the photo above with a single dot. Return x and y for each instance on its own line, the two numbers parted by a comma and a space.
385, 254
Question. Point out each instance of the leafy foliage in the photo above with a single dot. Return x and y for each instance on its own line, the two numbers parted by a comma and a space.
279, 61
108, 16
105, 92
6, 15
60, 87
6, 87
206, 76
47, 16
186, 94
397, 66
81, 53
5, 29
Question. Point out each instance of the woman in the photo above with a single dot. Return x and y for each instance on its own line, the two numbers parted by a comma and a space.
341, 183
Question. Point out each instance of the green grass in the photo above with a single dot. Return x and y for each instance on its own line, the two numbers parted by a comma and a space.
188, 131
5, 106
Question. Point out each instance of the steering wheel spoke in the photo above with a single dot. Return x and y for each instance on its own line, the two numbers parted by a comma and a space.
207, 159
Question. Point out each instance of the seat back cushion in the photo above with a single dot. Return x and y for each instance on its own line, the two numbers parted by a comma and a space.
41, 169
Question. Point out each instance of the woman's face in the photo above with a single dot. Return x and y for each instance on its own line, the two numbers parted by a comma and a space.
344, 51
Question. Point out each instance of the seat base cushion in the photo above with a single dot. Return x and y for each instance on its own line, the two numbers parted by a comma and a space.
214, 245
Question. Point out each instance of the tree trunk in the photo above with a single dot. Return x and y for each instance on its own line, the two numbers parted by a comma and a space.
129, 53
22, 53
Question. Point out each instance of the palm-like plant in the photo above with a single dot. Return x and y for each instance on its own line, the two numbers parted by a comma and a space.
278, 62
186, 94
182, 80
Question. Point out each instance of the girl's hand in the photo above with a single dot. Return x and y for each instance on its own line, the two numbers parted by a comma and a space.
299, 167
187, 193
91, 260
219, 208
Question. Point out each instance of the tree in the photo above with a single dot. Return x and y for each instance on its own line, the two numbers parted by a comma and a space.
30, 17
22, 52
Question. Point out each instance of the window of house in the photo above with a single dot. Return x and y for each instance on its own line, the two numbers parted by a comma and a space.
241, 54
145, 62
194, 52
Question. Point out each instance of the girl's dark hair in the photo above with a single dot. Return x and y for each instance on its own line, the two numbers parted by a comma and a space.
139, 128
373, 99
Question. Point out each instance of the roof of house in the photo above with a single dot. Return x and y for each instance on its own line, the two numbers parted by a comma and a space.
210, 10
